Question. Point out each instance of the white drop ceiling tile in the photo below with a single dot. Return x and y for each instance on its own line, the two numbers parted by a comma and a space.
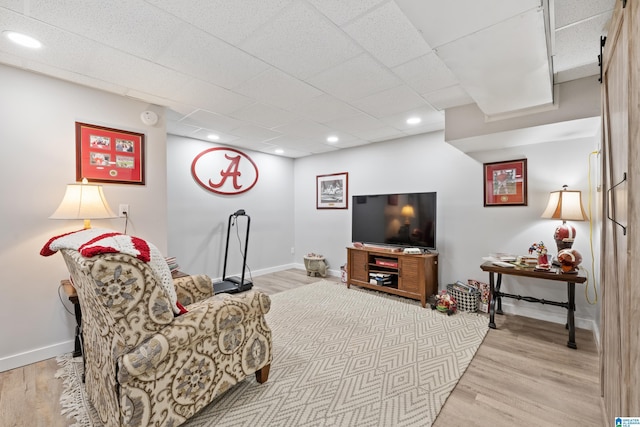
441, 22
177, 111
177, 114
426, 73
119, 68
428, 115
515, 57
452, 96
568, 12
383, 137
379, 133
301, 42
264, 115
343, 137
388, 35
288, 152
255, 133
273, 87
305, 129
341, 12
131, 26
426, 128
246, 143
325, 108
355, 124
288, 141
390, 101
15, 5
355, 79
320, 148
188, 131
203, 56
210, 97
579, 44
213, 121
61, 49
353, 143
181, 128
232, 21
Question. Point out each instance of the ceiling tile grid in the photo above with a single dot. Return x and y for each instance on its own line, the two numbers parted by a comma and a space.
268, 74
301, 42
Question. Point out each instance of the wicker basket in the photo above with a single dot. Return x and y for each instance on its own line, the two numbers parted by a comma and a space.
466, 301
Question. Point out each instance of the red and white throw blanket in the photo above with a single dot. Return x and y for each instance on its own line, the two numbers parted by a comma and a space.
95, 241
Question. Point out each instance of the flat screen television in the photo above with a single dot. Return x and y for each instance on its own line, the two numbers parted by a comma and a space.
402, 219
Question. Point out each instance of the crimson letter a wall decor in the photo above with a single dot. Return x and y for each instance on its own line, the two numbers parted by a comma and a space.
224, 170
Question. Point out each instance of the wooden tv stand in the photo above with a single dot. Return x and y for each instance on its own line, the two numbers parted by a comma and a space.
411, 276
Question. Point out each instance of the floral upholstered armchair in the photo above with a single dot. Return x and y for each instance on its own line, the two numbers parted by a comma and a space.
147, 366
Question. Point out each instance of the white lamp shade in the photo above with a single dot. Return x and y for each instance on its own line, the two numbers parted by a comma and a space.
565, 205
83, 201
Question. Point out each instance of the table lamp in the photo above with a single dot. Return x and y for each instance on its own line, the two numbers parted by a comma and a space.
565, 205
83, 201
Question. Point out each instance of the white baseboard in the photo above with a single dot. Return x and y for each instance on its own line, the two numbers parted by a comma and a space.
560, 318
36, 355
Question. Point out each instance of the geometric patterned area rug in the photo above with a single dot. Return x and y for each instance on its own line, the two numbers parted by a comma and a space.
342, 357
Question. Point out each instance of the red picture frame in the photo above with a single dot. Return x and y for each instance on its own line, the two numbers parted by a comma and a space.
109, 155
505, 183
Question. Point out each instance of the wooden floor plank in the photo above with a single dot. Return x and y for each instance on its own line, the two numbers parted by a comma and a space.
523, 374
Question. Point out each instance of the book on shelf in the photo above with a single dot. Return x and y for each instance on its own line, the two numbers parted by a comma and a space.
385, 262
381, 279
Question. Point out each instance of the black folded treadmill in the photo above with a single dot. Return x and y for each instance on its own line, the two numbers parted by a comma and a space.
232, 285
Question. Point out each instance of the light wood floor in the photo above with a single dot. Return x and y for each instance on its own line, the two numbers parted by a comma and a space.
522, 375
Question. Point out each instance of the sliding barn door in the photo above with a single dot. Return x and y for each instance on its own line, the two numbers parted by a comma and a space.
620, 272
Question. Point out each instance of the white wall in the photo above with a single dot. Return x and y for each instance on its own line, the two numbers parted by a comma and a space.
37, 134
198, 219
466, 230
38, 137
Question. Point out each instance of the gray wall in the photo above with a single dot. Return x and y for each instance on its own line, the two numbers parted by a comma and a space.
466, 230
186, 221
198, 219
37, 133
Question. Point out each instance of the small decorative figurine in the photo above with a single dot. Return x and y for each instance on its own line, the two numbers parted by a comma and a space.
445, 303
543, 258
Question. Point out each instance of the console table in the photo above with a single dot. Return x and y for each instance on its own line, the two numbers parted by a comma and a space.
497, 295
73, 297
412, 276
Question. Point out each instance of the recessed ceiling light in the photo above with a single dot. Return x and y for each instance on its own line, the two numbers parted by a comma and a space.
213, 136
333, 139
279, 151
413, 120
23, 39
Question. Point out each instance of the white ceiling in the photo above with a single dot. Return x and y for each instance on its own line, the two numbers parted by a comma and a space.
269, 74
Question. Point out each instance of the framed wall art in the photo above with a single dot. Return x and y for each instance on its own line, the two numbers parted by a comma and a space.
505, 183
109, 155
332, 191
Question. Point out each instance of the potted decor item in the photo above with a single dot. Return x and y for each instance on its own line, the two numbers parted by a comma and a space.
315, 265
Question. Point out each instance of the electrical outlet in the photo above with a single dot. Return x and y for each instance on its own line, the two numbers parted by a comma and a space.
123, 211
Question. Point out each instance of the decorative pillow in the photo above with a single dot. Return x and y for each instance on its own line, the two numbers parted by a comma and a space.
95, 241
